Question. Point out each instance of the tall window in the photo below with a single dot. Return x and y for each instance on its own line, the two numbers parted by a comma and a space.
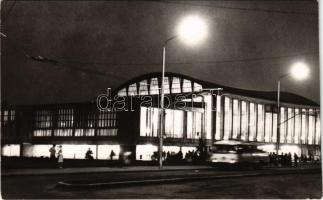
260, 123
174, 123
304, 127
236, 119
194, 124
318, 130
176, 86
143, 87
154, 89
149, 121
311, 126
166, 85
187, 86
252, 122
268, 126
290, 124
282, 125
218, 118
244, 121
274, 136
297, 126
227, 118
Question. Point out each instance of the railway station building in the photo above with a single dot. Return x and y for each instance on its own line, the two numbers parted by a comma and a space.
195, 110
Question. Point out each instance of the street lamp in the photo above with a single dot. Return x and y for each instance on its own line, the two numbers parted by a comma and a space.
299, 71
191, 30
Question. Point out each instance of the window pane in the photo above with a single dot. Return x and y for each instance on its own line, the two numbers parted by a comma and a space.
282, 125
132, 90
297, 126
268, 126
260, 123
227, 118
154, 89
122, 92
187, 86
236, 119
176, 87
143, 88
290, 125
244, 121
252, 123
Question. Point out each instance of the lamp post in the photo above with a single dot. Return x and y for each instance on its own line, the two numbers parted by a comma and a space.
299, 71
192, 29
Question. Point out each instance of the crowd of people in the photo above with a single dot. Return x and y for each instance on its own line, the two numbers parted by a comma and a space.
288, 160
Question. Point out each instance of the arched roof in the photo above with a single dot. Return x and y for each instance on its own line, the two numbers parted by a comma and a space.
286, 97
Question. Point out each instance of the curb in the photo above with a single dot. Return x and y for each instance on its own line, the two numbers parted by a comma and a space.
97, 172
66, 184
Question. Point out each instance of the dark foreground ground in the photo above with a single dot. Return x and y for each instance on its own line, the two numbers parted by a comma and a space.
284, 185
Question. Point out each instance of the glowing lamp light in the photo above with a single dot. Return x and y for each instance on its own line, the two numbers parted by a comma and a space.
300, 71
192, 30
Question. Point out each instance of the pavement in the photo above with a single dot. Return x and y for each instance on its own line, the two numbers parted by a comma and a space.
55, 171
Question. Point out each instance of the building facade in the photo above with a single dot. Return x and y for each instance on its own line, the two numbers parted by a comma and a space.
129, 120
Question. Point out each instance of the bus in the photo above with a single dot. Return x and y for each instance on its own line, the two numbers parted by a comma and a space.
237, 153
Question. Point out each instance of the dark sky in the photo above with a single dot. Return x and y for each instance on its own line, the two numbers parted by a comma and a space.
247, 48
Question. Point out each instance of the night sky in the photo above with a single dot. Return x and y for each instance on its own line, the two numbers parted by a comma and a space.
249, 45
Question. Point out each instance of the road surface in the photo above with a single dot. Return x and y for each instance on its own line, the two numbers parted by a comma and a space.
270, 186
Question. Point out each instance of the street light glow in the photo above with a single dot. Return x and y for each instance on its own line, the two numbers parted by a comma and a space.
192, 30
299, 71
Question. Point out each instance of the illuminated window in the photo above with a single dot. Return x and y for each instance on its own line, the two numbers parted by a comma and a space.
297, 126
208, 115
107, 132
132, 89
89, 132
43, 119
79, 132
227, 118
311, 126
282, 125
290, 125
194, 124
7, 116
304, 127
122, 92
244, 121
149, 122
106, 119
176, 86
174, 123
42, 133
154, 89
260, 123
63, 132
274, 136
236, 119
166, 85
252, 122
143, 88
218, 118
268, 126
318, 130
65, 118
187, 86
197, 87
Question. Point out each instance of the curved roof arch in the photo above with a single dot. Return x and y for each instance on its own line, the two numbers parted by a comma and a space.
148, 80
